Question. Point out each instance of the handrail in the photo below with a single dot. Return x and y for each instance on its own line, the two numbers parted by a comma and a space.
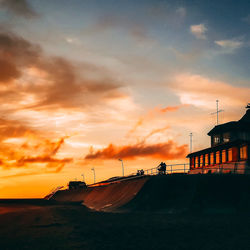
233, 168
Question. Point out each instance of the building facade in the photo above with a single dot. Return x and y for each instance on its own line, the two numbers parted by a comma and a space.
229, 151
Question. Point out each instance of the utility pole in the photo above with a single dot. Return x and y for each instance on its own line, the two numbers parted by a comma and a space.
191, 142
217, 112
93, 169
122, 167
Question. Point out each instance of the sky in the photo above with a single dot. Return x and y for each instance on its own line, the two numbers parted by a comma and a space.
85, 83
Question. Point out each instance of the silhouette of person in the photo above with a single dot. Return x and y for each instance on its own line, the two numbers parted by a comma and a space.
162, 168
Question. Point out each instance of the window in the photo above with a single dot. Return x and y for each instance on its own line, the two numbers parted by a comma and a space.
230, 154
243, 152
211, 158
226, 137
192, 162
201, 160
206, 160
223, 156
217, 157
216, 139
197, 161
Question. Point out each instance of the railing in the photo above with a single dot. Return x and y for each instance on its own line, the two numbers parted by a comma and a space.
227, 168
170, 169
232, 167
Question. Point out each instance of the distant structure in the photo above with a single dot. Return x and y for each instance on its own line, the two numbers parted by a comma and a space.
77, 185
229, 151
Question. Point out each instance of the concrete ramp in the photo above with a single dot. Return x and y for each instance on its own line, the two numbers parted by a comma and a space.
113, 196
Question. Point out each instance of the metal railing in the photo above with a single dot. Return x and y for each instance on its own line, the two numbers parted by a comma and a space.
232, 168
184, 168
170, 169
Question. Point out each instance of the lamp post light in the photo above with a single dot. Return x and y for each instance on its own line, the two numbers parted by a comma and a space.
122, 166
93, 169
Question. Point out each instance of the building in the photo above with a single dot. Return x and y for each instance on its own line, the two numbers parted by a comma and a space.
229, 151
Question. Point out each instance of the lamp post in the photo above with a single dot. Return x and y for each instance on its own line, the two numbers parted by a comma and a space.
93, 169
83, 177
122, 166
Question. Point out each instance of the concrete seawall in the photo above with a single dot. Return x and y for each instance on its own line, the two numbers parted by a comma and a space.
175, 193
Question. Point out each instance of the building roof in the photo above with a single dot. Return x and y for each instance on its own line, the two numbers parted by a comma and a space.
242, 124
246, 117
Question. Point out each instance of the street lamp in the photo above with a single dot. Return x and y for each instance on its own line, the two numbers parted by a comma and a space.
93, 169
83, 177
122, 166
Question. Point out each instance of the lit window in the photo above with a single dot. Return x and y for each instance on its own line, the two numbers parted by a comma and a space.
206, 160
223, 156
217, 157
192, 161
201, 160
197, 161
243, 152
211, 158
230, 154
216, 139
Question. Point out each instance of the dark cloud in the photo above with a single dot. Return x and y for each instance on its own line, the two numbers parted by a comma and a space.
16, 53
64, 84
19, 7
8, 71
167, 151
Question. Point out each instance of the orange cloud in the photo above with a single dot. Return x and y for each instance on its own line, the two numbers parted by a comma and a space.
27, 154
168, 151
152, 113
170, 109
138, 124
155, 131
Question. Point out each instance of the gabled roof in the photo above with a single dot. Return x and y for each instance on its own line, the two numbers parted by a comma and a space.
242, 124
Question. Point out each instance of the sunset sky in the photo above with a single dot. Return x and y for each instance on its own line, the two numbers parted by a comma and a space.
86, 82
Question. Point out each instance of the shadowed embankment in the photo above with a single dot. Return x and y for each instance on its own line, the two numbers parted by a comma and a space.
175, 193
155, 216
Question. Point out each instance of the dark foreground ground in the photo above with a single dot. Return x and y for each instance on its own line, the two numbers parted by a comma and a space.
44, 226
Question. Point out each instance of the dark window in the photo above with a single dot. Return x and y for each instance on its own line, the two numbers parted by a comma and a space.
226, 137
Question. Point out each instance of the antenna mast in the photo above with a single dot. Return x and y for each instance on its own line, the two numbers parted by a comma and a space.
217, 112
191, 142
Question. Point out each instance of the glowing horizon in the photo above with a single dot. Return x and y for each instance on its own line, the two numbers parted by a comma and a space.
83, 84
